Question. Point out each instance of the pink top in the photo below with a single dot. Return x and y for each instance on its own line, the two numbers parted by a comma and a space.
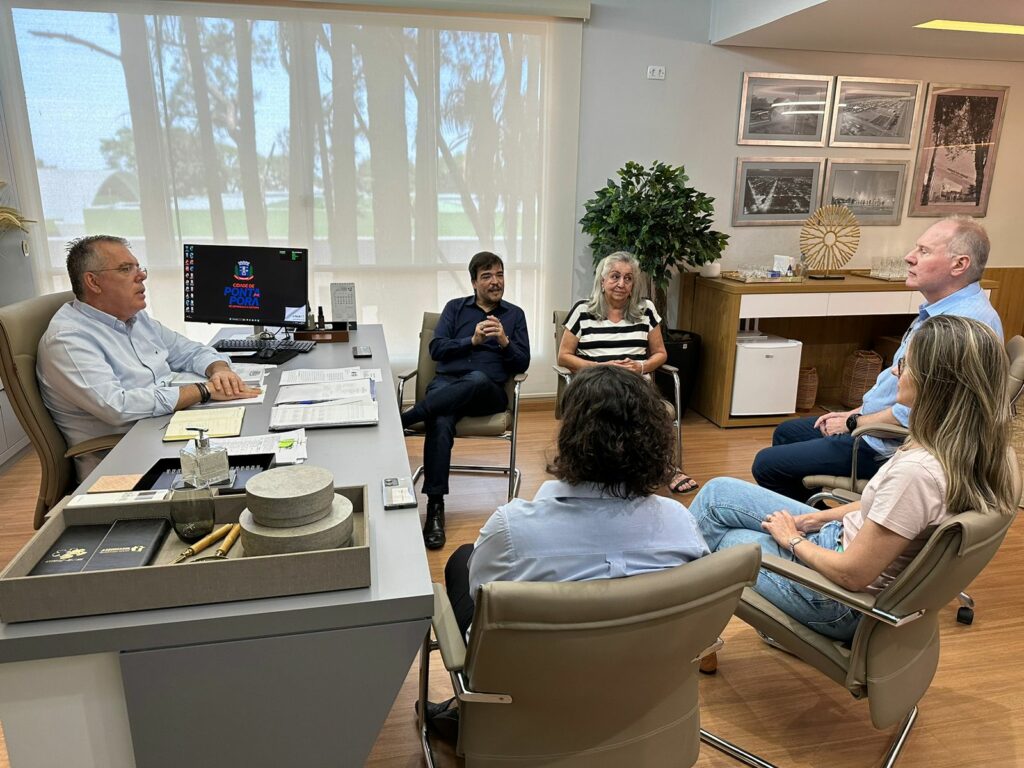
906, 496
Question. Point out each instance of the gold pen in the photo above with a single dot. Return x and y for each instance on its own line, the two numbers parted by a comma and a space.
203, 543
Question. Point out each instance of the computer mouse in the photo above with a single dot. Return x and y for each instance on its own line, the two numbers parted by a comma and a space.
266, 353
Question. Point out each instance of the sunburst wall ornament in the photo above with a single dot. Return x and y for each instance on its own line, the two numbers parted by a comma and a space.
828, 239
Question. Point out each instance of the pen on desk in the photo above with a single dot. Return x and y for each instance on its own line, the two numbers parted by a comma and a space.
204, 542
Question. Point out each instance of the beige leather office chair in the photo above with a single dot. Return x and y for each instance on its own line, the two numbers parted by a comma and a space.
590, 673
21, 326
895, 650
674, 406
497, 426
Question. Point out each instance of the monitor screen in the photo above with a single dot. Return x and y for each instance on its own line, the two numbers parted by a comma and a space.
246, 285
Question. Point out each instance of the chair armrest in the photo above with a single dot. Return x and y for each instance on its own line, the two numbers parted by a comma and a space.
402, 379
862, 602
564, 372
92, 445
519, 378
887, 431
446, 630
453, 651
666, 368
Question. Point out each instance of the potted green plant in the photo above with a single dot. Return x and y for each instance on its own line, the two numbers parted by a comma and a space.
656, 216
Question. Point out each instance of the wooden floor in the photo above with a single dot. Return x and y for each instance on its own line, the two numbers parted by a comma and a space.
762, 699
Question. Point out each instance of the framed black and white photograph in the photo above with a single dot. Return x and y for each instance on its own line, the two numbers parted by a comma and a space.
776, 190
784, 110
872, 189
957, 153
876, 113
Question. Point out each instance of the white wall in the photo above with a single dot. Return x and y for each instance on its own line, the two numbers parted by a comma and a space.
690, 118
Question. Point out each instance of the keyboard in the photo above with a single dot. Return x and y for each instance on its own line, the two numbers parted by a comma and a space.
255, 345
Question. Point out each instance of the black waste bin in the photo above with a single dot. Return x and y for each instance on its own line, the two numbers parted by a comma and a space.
683, 349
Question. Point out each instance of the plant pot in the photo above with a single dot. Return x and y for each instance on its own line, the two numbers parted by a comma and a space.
683, 349
711, 269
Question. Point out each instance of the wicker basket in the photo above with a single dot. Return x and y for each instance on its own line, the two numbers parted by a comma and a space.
859, 374
807, 389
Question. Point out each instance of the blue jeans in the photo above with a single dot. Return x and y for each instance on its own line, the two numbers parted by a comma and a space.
730, 511
448, 399
798, 449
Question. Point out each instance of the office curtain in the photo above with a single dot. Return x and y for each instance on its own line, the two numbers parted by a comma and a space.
392, 146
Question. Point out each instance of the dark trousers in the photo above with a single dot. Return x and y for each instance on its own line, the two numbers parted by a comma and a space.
798, 449
456, 584
448, 399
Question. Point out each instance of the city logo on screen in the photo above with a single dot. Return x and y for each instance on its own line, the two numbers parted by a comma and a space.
243, 293
244, 270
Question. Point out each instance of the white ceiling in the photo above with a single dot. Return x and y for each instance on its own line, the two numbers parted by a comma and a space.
869, 26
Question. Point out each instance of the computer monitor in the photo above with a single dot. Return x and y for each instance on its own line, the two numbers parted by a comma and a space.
246, 285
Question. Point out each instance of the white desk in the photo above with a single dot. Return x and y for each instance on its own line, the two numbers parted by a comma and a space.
304, 680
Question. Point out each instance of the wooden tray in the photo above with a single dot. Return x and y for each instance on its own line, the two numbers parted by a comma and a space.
735, 275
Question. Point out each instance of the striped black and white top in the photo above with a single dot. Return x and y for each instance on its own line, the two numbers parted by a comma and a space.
603, 340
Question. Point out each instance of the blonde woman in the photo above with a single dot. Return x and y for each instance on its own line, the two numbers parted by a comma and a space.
954, 378
616, 327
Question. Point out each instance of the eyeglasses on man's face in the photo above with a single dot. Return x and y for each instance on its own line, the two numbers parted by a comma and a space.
128, 270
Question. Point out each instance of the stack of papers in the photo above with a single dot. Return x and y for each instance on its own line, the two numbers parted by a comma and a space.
287, 447
252, 374
324, 398
327, 375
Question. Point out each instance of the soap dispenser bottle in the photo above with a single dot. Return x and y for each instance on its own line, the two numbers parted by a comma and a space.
202, 464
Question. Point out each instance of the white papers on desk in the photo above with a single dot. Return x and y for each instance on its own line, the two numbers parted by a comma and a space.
329, 375
244, 401
251, 373
363, 413
345, 391
287, 447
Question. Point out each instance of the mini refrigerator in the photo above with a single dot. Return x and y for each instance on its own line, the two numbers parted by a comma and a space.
766, 378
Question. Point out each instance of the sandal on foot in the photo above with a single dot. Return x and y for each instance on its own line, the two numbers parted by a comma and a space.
683, 484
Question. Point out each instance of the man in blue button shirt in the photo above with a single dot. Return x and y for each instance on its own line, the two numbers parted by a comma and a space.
945, 265
104, 363
480, 341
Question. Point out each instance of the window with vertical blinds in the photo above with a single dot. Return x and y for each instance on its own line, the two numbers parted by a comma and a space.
392, 146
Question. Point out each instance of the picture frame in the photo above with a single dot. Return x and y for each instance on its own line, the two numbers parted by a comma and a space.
873, 190
876, 113
776, 190
956, 156
784, 110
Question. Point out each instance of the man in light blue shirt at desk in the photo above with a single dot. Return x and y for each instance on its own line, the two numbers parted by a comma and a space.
945, 265
104, 363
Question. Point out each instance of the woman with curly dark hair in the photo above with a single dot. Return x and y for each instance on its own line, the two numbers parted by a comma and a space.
599, 519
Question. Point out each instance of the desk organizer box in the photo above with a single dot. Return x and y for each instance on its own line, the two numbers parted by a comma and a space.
163, 585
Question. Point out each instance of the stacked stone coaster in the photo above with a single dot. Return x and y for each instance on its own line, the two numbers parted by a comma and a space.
294, 509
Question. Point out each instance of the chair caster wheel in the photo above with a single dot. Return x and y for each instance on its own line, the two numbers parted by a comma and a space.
965, 615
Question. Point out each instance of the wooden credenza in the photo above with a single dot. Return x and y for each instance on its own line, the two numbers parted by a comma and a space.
832, 318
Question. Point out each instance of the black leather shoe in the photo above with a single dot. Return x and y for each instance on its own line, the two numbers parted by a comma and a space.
433, 528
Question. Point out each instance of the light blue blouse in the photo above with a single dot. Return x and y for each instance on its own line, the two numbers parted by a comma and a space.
578, 533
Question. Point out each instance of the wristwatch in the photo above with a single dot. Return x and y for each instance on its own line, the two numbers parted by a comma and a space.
793, 542
851, 421
204, 393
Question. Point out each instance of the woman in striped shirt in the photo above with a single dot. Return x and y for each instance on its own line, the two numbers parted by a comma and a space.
616, 327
